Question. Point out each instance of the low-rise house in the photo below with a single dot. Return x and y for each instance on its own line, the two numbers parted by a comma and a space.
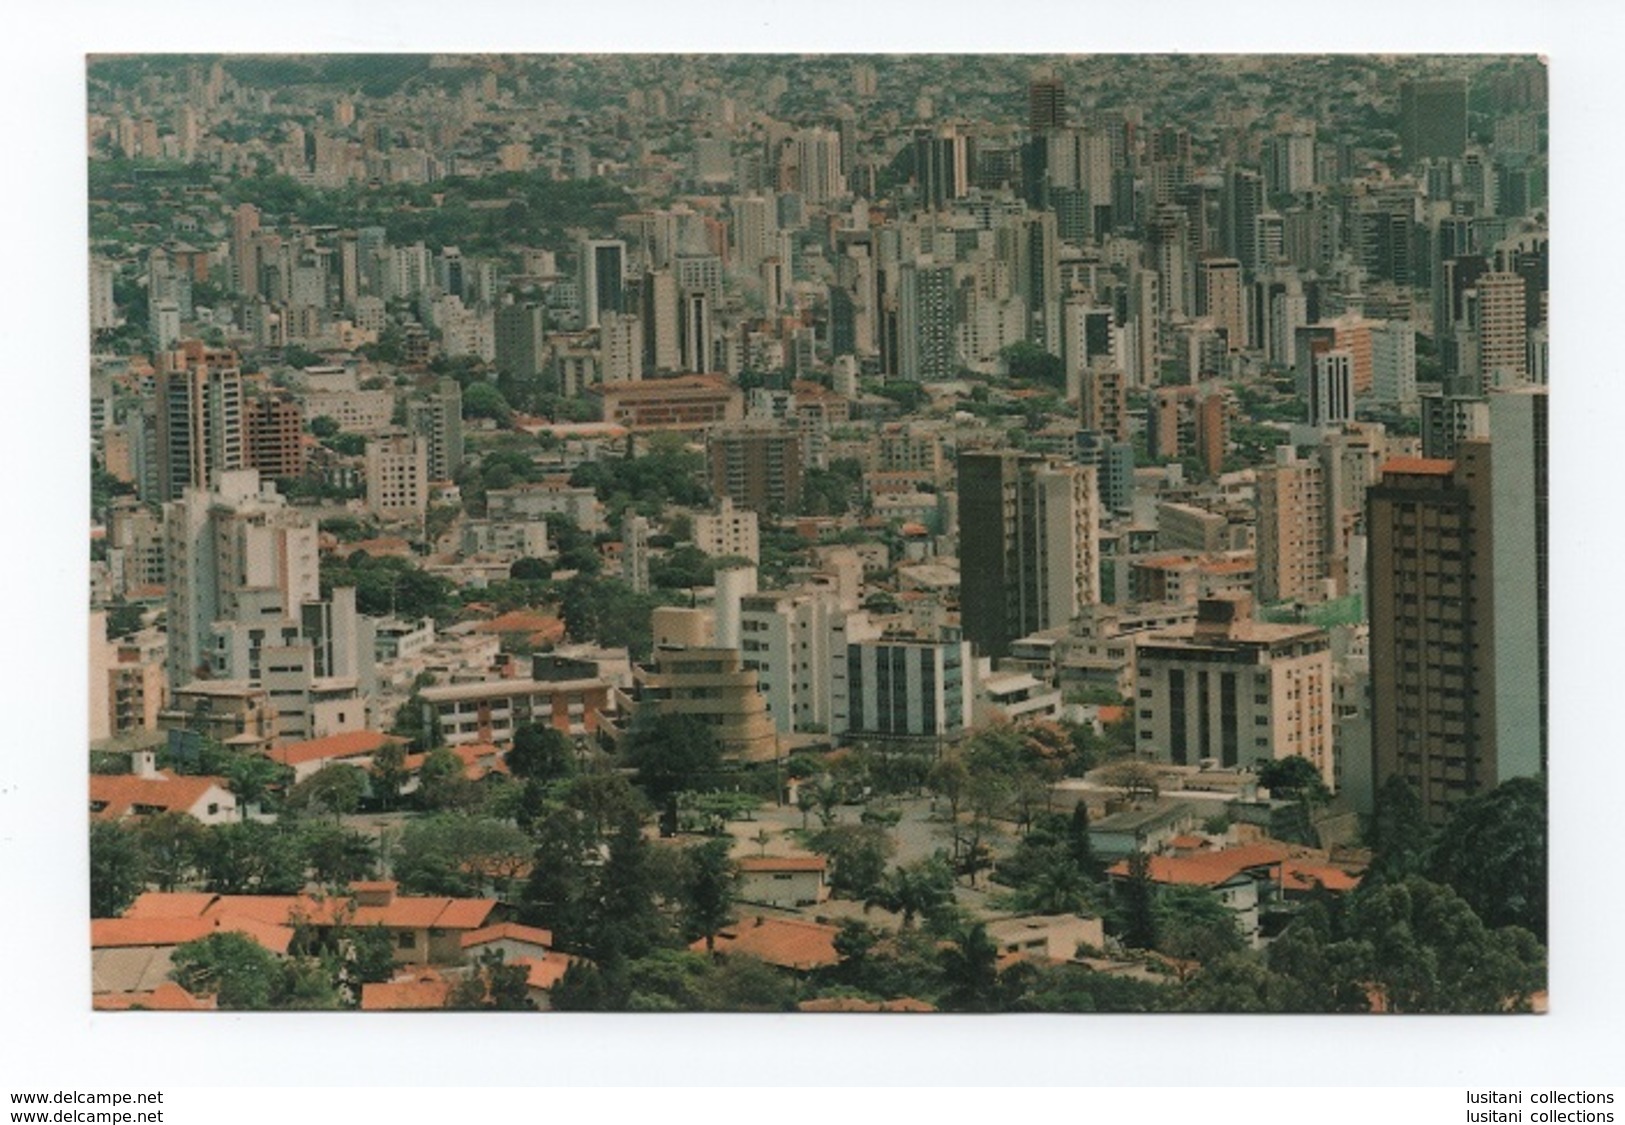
513, 941
782, 942
1246, 880
784, 881
1054, 937
167, 996
422, 929
1141, 830
150, 791
352, 748
542, 973
423, 990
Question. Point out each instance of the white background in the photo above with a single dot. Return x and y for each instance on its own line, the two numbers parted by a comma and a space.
50, 1037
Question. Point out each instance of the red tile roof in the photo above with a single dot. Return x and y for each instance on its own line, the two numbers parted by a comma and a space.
119, 794
545, 972
538, 625
123, 933
1419, 466
167, 997
1299, 876
787, 943
426, 994
351, 744
1207, 869
253, 912
170, 904
509, 931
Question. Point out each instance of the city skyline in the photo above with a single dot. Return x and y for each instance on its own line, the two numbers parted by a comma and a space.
432, 390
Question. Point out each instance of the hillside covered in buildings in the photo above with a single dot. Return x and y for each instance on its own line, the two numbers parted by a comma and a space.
837, 533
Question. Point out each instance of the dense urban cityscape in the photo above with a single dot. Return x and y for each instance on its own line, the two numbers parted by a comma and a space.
818, 533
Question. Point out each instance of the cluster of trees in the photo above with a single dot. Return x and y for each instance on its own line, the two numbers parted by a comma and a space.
389, 585
669, 473
169, 851
1451, 919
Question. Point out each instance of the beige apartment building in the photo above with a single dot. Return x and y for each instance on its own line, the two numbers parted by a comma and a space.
1233, 690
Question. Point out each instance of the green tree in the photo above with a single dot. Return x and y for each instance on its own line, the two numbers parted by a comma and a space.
1293, 778
970, 971
117, 869
1237, 982
858, 853
236, 970
673, 753
1492, 852
388, 771
1193, 925
1077, 988
1399, 834
169, 844
461, 855
709, 883
625, 921
123, 619
541, 752
251, 857
253, 779
442, 786
1138, 903
483, 400
744, 984
915, 889
492, 985
1321, 974
1030, 363
334, 790
1431, 953
371, 954
337, 856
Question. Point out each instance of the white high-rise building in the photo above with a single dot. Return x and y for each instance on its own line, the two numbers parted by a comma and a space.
103, 312
228, 547
1503, 357
1331, 389
1393, 362
755, 231
787, 639
603, 279
620, 347
398, 476
729, 531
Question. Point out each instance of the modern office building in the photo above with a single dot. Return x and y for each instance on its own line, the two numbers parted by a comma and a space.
714, 686
1331, 389
603, 279
520, 331
896, 688
274, 426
